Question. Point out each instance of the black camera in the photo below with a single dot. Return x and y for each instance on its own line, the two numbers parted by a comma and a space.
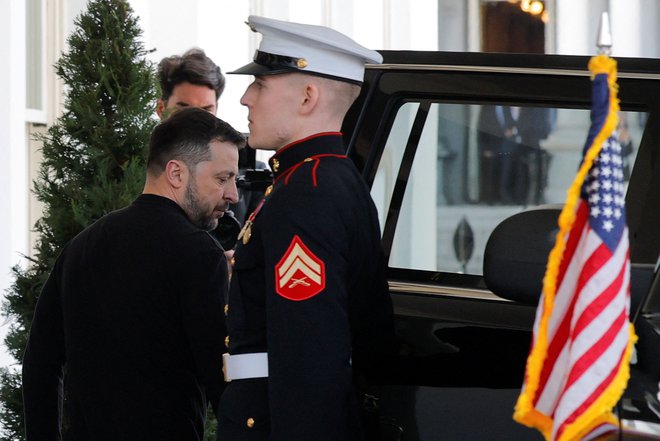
250, 178
254, 180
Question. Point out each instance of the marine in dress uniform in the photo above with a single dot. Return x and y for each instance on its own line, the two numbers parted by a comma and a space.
308, 305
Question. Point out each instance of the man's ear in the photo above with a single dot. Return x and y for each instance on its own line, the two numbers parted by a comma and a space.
176, 173
311, 95
160, 108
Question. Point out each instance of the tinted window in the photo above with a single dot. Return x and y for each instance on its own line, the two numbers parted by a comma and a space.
470, 167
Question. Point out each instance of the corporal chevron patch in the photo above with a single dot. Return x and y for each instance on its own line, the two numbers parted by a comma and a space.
299, 274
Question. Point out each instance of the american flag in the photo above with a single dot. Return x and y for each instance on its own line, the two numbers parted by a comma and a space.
578, 366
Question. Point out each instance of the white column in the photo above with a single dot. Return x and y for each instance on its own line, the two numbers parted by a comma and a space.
304, 11
369, 24
340, 15
451, 25
398, 26
573, 33
278, 9
424, 25
625, 17
55, 42
13, 147
650, 16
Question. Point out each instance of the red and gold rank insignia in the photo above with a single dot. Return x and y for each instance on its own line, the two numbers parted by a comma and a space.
299, 274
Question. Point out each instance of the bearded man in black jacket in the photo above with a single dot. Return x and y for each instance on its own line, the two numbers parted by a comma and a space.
132, 310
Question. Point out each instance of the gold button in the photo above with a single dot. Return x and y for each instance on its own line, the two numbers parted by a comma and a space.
227, 341
268, 190
232, 261
250, 423
276, 165
226, 309
307, 159
301, 63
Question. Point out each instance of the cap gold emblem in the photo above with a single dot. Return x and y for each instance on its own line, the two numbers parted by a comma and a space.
301, 63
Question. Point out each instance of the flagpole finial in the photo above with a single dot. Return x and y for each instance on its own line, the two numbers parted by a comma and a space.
604, 34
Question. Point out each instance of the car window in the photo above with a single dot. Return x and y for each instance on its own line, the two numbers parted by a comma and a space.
467, 167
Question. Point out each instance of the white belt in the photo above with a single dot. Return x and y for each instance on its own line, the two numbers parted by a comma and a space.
242, 366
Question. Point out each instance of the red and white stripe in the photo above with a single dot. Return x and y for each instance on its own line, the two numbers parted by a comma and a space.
588, 328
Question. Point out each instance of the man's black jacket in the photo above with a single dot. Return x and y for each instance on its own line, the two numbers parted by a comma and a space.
131, 318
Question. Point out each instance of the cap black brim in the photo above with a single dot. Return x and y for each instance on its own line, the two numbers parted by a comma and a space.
260, 69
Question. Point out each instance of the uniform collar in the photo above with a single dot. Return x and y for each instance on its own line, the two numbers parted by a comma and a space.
298, 151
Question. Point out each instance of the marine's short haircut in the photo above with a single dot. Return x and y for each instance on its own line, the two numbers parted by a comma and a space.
193, 67
186, 136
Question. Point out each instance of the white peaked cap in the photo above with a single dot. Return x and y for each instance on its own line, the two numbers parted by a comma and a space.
311, 49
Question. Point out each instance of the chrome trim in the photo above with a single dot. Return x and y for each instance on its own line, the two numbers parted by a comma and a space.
445, 291
510, 70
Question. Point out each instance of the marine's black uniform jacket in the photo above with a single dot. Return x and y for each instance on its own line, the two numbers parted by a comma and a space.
309, 289
133, 313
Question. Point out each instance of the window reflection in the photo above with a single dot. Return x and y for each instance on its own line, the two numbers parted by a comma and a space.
476, 165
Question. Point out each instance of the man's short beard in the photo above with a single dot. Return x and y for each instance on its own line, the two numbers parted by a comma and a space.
195, 211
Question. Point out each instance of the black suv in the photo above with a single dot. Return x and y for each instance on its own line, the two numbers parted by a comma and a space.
468, 220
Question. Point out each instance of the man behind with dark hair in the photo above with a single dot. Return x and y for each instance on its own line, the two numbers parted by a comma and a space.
133, 308
194, 80
189, 80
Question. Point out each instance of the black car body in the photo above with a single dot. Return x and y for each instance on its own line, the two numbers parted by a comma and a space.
466, 264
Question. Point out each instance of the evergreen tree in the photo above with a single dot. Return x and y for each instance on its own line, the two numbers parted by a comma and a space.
93, 162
